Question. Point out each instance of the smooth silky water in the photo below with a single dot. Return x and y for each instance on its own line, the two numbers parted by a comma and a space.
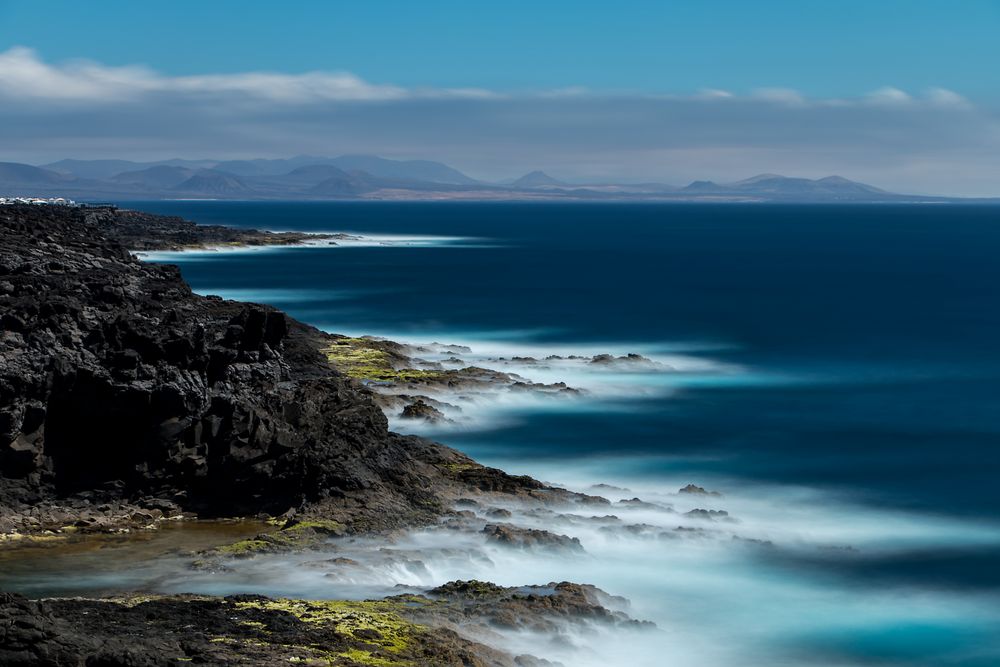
833, 371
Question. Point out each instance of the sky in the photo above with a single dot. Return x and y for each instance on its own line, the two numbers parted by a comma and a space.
901, 94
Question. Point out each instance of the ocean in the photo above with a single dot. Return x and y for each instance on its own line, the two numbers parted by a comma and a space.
832, 370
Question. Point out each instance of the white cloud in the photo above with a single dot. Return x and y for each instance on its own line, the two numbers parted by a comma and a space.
88, 110
714, 94
295, 88
23, 76
780, 96
947, 98
889, 96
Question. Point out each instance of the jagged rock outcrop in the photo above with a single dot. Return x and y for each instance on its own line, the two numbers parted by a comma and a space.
237, 630
117, 382
138, 230
480, 605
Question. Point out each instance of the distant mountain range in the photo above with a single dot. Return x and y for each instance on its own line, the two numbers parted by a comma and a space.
537, 179
371, 177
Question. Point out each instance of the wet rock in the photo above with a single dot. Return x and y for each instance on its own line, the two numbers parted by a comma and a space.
167, 507
345, 562
242, 629
693, 490
642, 504
753, 541
605, 488
476, 605
420, 410
709, 515
686, 532
607, 359
632, 530
530, 538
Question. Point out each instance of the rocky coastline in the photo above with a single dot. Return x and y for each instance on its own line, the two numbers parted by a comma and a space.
127, 401
426, 629
141, 231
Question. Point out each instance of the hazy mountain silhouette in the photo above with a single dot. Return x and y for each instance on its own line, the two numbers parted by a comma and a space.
211, 182
537, 179
306, 177
155, 177
25, 174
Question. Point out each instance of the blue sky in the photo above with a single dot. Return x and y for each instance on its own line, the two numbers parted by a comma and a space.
818, 47
902, 94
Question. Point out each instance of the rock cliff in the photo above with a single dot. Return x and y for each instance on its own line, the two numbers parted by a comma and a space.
118, 384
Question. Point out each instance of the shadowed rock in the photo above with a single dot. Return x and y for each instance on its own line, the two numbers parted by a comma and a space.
118, 383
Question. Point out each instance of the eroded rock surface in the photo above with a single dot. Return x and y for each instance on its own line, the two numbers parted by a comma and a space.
117, 383
237, 630
415, 630
145, 231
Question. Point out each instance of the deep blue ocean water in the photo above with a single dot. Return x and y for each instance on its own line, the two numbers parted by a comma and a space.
867, 340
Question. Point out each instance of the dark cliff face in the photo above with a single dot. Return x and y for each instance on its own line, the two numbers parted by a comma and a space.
116, 380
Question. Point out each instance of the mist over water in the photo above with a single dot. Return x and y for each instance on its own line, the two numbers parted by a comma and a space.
832, 371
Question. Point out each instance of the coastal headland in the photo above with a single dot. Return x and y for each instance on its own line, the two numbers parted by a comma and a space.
127, 401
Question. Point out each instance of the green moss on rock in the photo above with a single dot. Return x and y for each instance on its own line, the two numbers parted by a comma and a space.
291, 535
364, 359
382, 635
323, 526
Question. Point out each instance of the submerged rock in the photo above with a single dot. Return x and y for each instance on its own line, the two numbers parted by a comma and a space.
631, 358
693, 490
642, 504
709, 515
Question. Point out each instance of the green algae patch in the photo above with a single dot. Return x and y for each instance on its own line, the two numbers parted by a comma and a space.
324, 526
367, 359
46, 537
358, 357
413, 375
251, 547
292, 535
460, 467
381, 634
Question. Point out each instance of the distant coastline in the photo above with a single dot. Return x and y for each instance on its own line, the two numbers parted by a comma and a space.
371, 178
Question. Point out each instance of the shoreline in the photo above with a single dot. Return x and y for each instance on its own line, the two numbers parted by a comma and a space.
775, 571
402, 481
